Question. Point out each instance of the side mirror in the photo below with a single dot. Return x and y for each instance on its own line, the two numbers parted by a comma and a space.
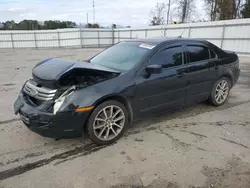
154, 69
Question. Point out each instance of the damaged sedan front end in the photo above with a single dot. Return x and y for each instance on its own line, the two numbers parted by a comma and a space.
49, 102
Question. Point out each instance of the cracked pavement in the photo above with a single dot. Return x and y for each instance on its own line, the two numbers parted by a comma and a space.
195, 147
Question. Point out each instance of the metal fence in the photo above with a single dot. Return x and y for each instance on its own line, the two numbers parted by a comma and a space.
230, 35
56, 38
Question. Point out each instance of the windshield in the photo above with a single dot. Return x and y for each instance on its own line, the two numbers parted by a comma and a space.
122, 56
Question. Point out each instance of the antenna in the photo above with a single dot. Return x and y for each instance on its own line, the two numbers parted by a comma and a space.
181, 33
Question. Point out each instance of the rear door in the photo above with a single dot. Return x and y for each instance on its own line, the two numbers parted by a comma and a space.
164, 91
201, 71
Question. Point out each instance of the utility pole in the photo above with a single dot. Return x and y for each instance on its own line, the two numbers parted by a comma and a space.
169, 4
87, 16
94, 11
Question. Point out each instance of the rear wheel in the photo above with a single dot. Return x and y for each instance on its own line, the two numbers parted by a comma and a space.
220, 92
107, 122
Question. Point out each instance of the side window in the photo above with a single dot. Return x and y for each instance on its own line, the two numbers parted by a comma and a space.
197, 53
169, 57
212, 54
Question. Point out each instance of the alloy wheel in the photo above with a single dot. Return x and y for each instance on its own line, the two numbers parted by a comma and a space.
221, 91
109, 122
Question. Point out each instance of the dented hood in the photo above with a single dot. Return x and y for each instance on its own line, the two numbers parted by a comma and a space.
53, 69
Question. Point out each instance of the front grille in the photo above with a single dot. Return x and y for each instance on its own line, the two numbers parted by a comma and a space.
39, 92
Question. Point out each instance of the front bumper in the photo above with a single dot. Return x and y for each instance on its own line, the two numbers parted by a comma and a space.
62, 125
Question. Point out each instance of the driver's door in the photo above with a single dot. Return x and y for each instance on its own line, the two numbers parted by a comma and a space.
164, 91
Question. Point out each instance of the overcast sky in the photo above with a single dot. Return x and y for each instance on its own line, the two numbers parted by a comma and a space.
122, 12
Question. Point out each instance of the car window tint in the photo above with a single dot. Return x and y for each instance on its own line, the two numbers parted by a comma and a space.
169, 57
197, 53
212, 54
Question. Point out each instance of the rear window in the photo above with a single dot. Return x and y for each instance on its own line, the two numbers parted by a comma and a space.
197, 53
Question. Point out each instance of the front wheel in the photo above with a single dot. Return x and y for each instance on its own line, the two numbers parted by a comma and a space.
220, 92
107, 122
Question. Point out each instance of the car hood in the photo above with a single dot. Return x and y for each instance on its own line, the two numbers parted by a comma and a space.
51, 71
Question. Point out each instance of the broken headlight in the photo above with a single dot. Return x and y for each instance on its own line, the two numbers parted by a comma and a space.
60, 100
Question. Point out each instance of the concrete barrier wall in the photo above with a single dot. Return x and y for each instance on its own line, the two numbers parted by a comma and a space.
229, 35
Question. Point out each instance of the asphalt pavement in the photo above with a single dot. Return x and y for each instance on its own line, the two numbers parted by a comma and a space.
198, 146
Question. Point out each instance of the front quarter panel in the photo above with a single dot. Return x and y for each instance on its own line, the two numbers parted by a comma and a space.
123, 86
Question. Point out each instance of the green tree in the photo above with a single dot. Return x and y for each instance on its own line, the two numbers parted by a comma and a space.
28, 25
1, 26
9, 25
89, 25
95, 26
35, 25
54, 24
70, 24
245, 12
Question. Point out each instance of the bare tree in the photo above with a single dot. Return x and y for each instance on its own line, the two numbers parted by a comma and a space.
170, 3
223, 9
212, 6
157, 14
185, 9
239, 5
226, 9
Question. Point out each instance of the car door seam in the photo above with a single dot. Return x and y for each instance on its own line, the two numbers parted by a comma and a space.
161, 94
152, 107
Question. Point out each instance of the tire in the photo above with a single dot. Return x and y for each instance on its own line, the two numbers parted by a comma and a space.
217, 97
102, 128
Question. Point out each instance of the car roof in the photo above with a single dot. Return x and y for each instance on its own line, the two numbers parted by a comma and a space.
160, 40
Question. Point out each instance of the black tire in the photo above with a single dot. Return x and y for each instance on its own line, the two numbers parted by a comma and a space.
212, 98
90, 125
